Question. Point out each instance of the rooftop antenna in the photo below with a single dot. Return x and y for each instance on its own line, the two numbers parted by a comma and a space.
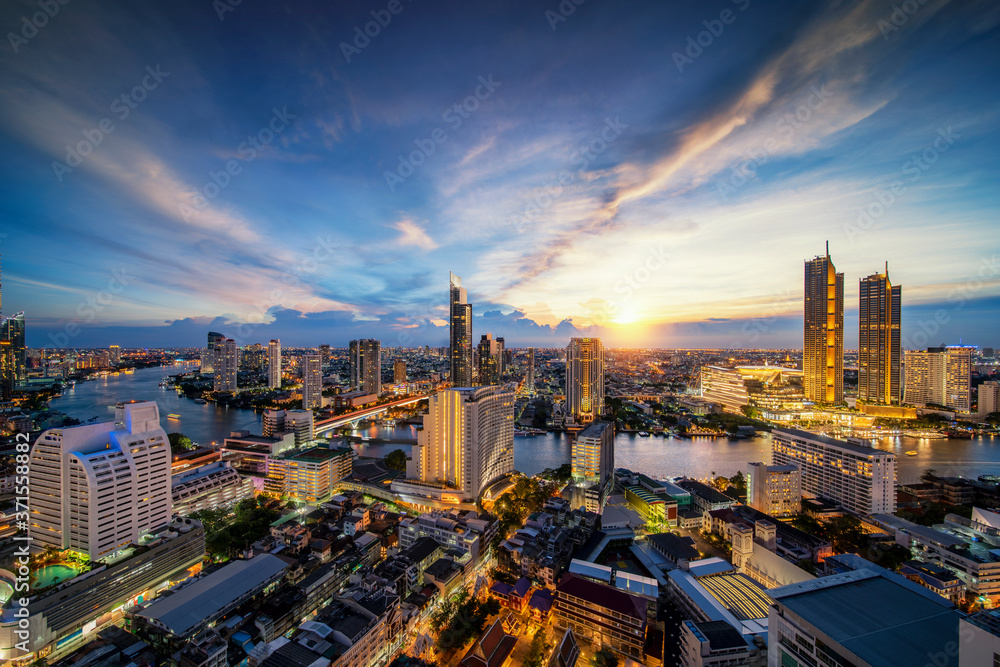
828, 248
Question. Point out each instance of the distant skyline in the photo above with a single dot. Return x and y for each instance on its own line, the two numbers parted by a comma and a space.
654, 173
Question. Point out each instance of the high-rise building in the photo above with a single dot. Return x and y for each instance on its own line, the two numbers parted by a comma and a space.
114, 355
490, 360
399, 371
298, 422
324, 352
861, 479
215, 339
585, 379
989, 398
939, 376
878, 340
98, 488
502, 352
312, 381
12, 330
460, 334
467, 441
823, 331
366, 366
254, 357
7, 370
274, 364
774, 490
529, 382
593, 462
225, 365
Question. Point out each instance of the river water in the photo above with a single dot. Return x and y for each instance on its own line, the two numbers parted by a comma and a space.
655, 456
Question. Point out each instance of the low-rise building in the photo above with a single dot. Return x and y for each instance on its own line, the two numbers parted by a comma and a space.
602, 614
207, 487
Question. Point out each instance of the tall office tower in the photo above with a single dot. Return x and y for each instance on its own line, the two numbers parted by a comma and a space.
774, 490
502, 353
114, 355
529, 381
467, 440
274, 364
324, 353
989, 398
7, 371
489, 360
226, 365
366, 366
399, 371
593, 462
312, 381
585, 379
215, 340
460, 332
861, 479
96, 489
12, 330
940, 376
258, 357
878, 340
823, 331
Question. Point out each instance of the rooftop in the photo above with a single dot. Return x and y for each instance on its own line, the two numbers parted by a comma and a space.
832, 442
720, 635
602, 595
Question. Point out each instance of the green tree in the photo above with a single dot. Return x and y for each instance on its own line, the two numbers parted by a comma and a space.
605, 657
845, 534
807, 565
537, 650
180, 443
993, 419
739, 481
396, 459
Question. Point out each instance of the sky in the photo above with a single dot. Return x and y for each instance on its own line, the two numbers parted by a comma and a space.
654, 173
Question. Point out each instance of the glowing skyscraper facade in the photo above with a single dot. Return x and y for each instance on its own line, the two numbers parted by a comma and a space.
823, 331
274, 364
460, 334
878, 340
585, 379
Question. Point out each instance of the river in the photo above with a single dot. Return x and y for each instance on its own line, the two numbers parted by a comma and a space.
655, 456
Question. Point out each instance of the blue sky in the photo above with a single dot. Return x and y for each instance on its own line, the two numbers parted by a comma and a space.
651, 172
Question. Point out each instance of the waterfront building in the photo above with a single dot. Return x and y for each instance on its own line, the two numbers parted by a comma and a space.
99, 488
312, 382
298, 422
366, 366
774, 490
861, 479
879, 340
114, 355
585, 379
274, 364
466, 443
399, 371
772, 388
460, 333
939, 376
215, 339
989, 398
823, 334
226, 365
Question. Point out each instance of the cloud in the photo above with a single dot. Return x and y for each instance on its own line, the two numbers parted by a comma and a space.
413, 234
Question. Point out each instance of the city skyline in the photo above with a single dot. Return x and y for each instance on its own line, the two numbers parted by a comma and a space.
678, 180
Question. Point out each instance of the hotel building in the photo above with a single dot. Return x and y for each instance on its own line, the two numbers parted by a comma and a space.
490, 354
215, 339
989, 398
939, 376
861, 479
823, 333
878, 340
366, 366
460, 333
585, 379
274, 364
466, 443
97, 489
